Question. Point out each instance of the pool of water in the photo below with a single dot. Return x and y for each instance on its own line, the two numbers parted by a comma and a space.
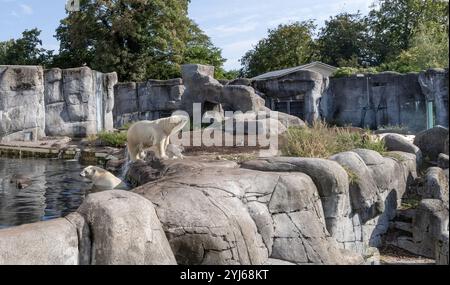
56, 190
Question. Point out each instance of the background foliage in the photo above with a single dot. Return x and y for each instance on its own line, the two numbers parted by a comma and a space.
150, 39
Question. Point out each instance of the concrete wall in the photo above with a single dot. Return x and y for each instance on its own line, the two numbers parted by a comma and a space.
387, 99
373, 101
22, 111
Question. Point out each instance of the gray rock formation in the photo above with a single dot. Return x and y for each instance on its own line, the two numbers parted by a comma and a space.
78, 102
201, 87
112, 227
429, 223
48, 243
22, 111
304, 87
433, 142
342, 214
363, 189
125, 230
443, 161
330, 178
155, 99
434, 84
387, 99
216, 215
435, 185
396, 142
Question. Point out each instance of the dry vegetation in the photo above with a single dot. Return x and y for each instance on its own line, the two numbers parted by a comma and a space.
322, 141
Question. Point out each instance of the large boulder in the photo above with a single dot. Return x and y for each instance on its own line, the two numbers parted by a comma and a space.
124, 230
429, 223
396, 142
46, 243
329, 177
435, 185
433, 142
220, 215
202, 88
363, 189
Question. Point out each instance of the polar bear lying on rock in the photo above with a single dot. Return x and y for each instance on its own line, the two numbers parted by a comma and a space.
102, 179
146, 134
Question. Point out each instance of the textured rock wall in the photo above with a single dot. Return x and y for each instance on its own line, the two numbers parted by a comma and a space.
219, 215
307, 86
78, 102
146, 101
73, 102
22, 111
154, 99
357, 213
387, 99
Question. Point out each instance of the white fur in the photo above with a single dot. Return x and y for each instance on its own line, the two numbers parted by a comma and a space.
102, 179
146, 134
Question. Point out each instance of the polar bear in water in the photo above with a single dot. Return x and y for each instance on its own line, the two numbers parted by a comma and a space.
146, 134
102, 179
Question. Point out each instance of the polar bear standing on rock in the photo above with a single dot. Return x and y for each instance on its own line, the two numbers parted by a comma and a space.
146, 134
102, 179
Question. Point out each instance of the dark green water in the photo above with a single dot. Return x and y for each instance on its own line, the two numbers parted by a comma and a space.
56, 191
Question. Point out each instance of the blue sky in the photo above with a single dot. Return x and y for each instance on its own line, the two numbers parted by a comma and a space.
234, 25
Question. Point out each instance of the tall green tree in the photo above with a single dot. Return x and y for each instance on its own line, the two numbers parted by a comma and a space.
139, 39
394, 22
343, 41
26, 50
286, 46
200, 50
429, 49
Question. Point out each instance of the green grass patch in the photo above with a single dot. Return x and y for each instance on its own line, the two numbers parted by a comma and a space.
113, 139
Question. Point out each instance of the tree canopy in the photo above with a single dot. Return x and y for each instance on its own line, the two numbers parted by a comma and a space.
398, 35
286, 46
26, 50
150, 39
394, 23
139, 39
343, 40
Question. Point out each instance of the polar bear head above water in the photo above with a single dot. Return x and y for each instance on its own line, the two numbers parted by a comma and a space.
102, 179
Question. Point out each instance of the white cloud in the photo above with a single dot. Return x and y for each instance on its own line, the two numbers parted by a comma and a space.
26, 9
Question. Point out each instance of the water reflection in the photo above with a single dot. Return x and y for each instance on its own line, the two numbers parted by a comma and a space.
56, 190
